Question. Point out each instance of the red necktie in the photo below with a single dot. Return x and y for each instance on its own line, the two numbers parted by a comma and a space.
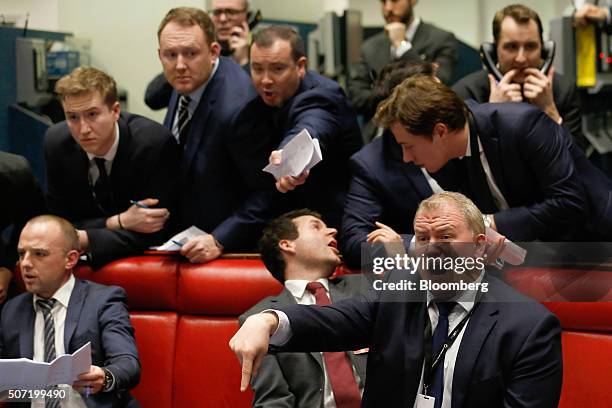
339, 368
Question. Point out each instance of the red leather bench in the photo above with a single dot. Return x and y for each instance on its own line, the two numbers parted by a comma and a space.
185, 314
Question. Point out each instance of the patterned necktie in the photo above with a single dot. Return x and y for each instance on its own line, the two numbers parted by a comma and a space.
339, 368
183, 119
102, 187
46, 305
439, 337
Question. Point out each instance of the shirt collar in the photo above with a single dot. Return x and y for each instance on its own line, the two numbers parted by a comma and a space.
412, 28
112, 152
297, 287
62, 295
468, 149
465, 299
197, 94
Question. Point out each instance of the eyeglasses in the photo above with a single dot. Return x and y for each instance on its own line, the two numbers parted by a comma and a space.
227, 11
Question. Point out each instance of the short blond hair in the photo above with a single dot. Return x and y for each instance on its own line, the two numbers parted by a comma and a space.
87, 79
471, 213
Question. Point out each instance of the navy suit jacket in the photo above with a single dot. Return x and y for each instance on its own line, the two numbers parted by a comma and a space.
533, 167
383, 188
96, 314
297, 379
510, 353
320, 106
145, 166
220, 171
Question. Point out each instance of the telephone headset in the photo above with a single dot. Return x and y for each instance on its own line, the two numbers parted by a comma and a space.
488, 54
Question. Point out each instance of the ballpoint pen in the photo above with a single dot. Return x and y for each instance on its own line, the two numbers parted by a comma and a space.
139, 204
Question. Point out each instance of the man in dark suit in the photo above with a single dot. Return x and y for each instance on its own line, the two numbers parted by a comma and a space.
517, 34
522, 169
23, 199
405, 37
292, 99
230, 20
111, 174
59, 314
383, 188
220, 169
502, 349
300, 251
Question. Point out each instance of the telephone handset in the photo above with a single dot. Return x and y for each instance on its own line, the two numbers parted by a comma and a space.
488, 54
253, 18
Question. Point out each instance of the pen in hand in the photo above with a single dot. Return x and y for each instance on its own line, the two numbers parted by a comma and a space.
139, 204
87, 390
177, 243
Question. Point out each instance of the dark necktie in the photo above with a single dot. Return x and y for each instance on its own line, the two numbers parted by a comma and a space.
49, 340
439, 337
102, 187
339, 368
182, 124
478, 188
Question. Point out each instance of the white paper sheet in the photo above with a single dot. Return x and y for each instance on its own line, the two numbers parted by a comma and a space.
300, 154
176, 242
23, 373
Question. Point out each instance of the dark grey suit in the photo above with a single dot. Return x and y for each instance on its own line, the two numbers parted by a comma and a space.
430, 44
296, 379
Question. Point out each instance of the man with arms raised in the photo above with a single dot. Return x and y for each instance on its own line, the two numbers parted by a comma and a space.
505, 348
59, 314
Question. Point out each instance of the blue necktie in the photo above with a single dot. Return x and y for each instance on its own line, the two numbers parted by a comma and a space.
439, 337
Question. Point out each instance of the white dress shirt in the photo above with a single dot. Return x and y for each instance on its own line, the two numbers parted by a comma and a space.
62, 296
405, 46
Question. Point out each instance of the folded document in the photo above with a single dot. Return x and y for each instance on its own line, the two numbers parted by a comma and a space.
300, 154
23, 373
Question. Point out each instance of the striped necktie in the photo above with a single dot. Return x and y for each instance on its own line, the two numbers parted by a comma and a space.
46, 305
183, 119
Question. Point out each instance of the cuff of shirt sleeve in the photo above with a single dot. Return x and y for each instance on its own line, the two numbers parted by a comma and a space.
282, 334
403, 48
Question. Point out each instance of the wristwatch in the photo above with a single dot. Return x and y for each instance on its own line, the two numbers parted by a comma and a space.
109, 380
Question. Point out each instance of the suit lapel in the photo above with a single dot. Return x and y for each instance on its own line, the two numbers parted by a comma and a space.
121, 162
75, 306
490, 146
285, 298
26, 328
200, 118
413, 352
476, 332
